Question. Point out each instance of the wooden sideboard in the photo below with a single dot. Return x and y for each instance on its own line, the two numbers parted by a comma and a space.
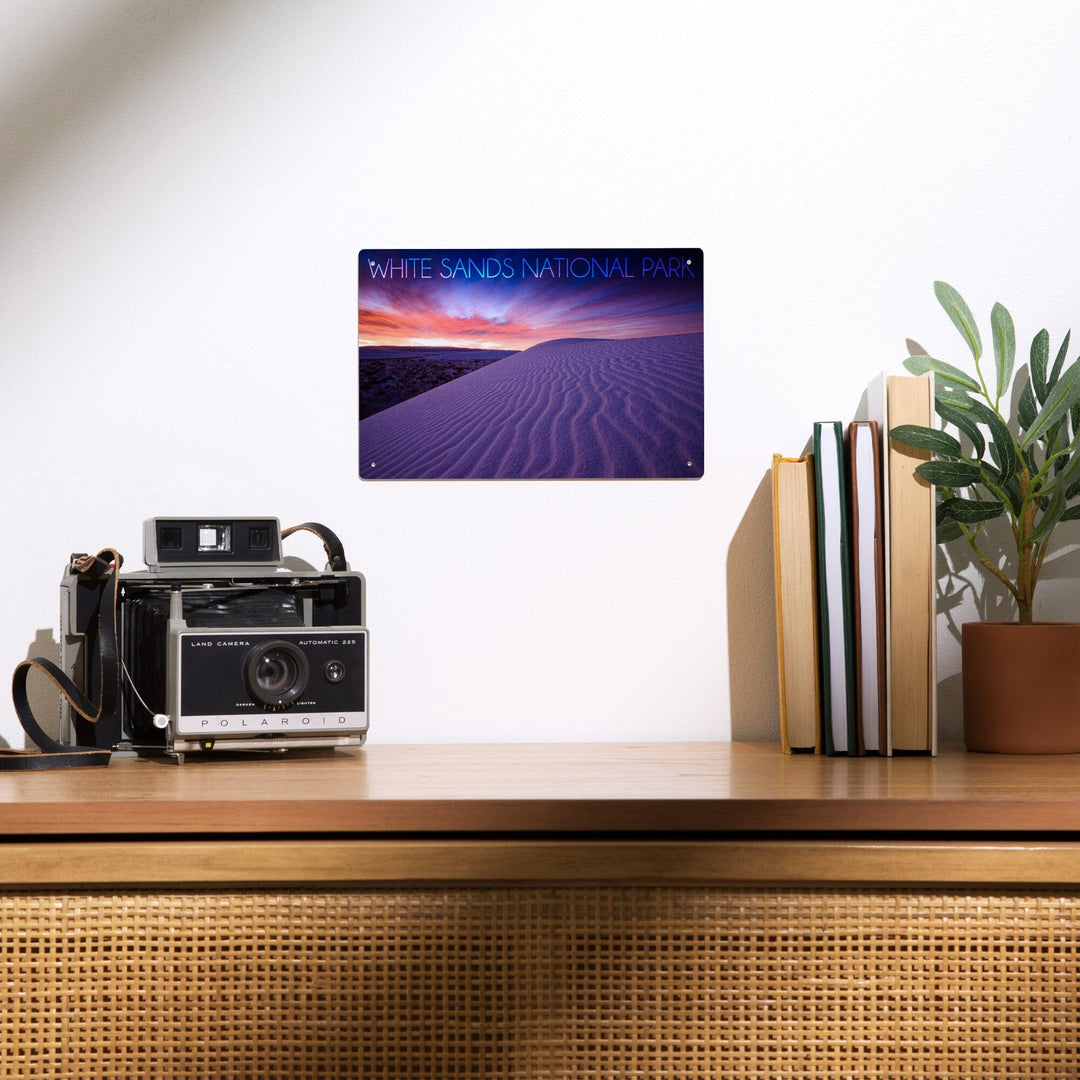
544, 910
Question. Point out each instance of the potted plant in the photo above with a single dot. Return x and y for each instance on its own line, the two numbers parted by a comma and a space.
1021, 680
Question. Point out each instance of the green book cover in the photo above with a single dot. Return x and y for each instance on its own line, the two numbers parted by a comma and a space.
836, 622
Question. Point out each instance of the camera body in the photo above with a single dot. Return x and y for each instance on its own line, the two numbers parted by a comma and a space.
221, 645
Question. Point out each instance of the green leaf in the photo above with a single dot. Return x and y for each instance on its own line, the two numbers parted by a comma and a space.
948, 531
961, 316
1058, 402
926, 438
1068, 479
1027, 456
971, 511
1012, 490
1072, 514
991, 477
946, 373
1001, 325
1027, 410
961, 419
1061, 462
1001, 441
958, 398
1049, 520
1059, 362
1040, 357
1056, 440
952, 474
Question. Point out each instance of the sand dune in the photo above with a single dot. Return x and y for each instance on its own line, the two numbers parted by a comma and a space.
574, 408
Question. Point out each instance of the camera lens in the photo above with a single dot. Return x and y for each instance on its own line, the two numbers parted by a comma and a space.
276, 673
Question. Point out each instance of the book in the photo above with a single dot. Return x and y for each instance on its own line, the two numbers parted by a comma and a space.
868, 583
836, 645
795, 563
911, 562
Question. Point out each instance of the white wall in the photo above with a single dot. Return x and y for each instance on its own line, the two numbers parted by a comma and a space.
184, 187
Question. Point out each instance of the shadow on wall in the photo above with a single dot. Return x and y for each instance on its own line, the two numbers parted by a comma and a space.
103, 52
755, 708
41, 693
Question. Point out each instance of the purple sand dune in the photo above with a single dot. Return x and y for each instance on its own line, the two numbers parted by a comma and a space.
573, 408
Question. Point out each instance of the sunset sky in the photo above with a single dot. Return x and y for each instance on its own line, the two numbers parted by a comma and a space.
513, 299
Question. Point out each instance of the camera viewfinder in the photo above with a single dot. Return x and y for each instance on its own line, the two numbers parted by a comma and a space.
215, 538
172, 538
259, 538
194, 543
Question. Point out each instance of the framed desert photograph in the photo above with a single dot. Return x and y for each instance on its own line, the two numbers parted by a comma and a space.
531, 364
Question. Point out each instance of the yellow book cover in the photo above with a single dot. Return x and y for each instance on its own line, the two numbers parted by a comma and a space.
794, 554
912, 560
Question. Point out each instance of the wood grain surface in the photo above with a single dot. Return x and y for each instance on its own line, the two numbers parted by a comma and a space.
340, 863
717, 788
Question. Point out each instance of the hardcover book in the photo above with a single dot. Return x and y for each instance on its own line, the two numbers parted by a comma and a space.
794, 556
868, 583
911, 563
835, 615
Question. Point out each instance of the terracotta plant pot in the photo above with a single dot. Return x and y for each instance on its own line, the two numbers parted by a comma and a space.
1022, 687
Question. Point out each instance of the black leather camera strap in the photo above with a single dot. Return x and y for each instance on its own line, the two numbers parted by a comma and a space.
335, 551
52, 754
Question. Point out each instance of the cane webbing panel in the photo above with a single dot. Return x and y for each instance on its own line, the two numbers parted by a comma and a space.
539, 982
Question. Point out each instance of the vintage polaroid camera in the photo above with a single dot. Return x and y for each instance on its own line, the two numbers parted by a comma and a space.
220, 645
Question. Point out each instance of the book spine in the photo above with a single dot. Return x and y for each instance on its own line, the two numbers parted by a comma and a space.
836, 630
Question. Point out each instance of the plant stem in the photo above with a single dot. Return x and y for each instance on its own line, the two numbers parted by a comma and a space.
989, 566
1025, 582
1026, 574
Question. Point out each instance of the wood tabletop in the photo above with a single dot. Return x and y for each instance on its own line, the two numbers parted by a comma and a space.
644, 788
